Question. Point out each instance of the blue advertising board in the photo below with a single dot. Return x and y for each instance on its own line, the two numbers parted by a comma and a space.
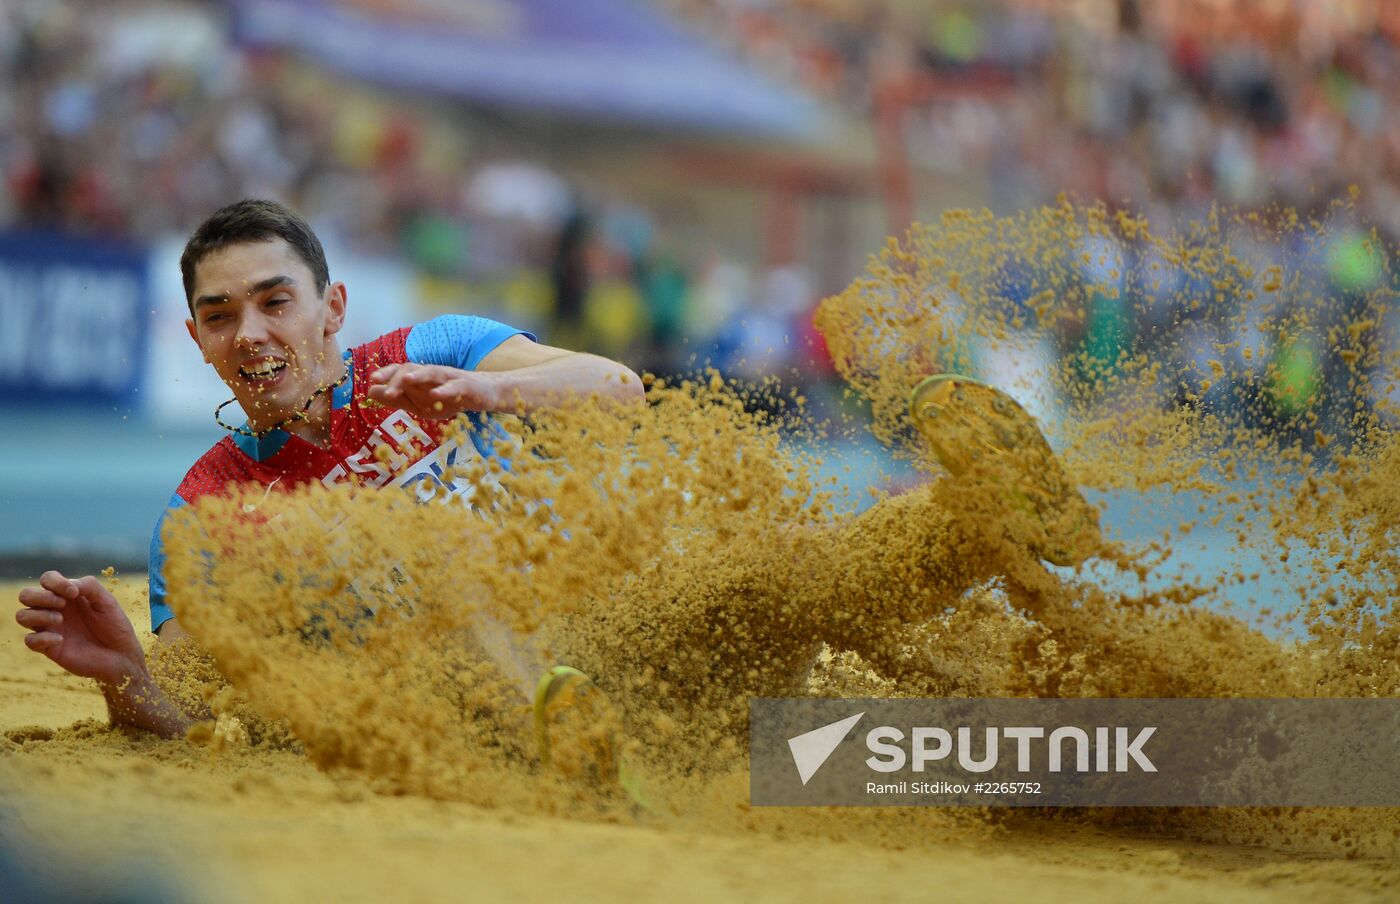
73, 319
601, 59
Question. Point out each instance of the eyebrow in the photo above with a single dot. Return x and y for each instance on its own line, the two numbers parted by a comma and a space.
257, 288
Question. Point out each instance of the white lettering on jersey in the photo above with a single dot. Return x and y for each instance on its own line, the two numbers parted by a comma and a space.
401, 437
405, 431
432, 472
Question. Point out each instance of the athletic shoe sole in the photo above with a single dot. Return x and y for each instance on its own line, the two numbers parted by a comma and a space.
976, 430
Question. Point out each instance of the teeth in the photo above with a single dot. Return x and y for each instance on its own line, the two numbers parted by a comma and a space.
262, 369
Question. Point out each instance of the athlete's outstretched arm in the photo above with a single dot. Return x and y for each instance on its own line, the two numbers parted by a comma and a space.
81, 627
517, 376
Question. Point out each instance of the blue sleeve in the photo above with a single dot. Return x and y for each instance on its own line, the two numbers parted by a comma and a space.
160, 608
457, 340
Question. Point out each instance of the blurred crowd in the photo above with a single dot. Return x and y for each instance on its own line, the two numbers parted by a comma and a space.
1170, 106
1166, 110
135, 120
131, 119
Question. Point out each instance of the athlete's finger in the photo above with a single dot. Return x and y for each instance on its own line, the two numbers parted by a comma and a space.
413, 392
417, 376
463, 393
39, 619
39, 598
43, 641
380, 390
52, 580
397, 375
92, 588
396, 383
83, 607
95, 599
385, 394
415, 402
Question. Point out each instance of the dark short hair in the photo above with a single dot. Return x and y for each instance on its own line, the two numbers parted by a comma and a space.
253, 220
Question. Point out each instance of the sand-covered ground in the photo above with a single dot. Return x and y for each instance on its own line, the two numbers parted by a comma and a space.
689, 561
256, 824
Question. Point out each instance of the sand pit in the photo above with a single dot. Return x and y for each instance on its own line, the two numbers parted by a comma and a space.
254, 824
689, 560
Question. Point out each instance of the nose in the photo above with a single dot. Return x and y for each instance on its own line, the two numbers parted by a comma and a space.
252, 330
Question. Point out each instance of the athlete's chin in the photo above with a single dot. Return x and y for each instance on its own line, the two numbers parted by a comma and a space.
272, 402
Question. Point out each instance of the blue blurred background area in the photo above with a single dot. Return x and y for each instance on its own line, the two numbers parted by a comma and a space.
671, 183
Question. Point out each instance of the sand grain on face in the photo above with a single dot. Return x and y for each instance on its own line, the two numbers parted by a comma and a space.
688, 559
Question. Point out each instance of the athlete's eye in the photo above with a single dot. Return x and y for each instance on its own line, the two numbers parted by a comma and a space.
214, 318
281, 299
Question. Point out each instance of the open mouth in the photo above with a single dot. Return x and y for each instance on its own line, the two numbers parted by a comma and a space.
262, 371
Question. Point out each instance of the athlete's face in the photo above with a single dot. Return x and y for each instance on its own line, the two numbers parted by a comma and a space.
269, 334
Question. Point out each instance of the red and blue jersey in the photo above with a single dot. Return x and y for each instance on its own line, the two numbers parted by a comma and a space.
371, 445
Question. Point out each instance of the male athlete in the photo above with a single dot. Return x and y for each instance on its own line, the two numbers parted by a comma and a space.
265, 314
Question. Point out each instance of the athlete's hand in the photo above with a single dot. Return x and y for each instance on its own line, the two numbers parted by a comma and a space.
81, 627
434, 391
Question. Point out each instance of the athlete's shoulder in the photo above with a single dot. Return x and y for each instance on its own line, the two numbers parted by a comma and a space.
215, 469
457, 340
381, 351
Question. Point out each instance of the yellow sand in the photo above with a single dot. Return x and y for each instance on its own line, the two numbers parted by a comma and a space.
688, 561
244, 825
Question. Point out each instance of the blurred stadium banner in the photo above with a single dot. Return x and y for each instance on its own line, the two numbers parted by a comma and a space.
73, 316
604, 59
